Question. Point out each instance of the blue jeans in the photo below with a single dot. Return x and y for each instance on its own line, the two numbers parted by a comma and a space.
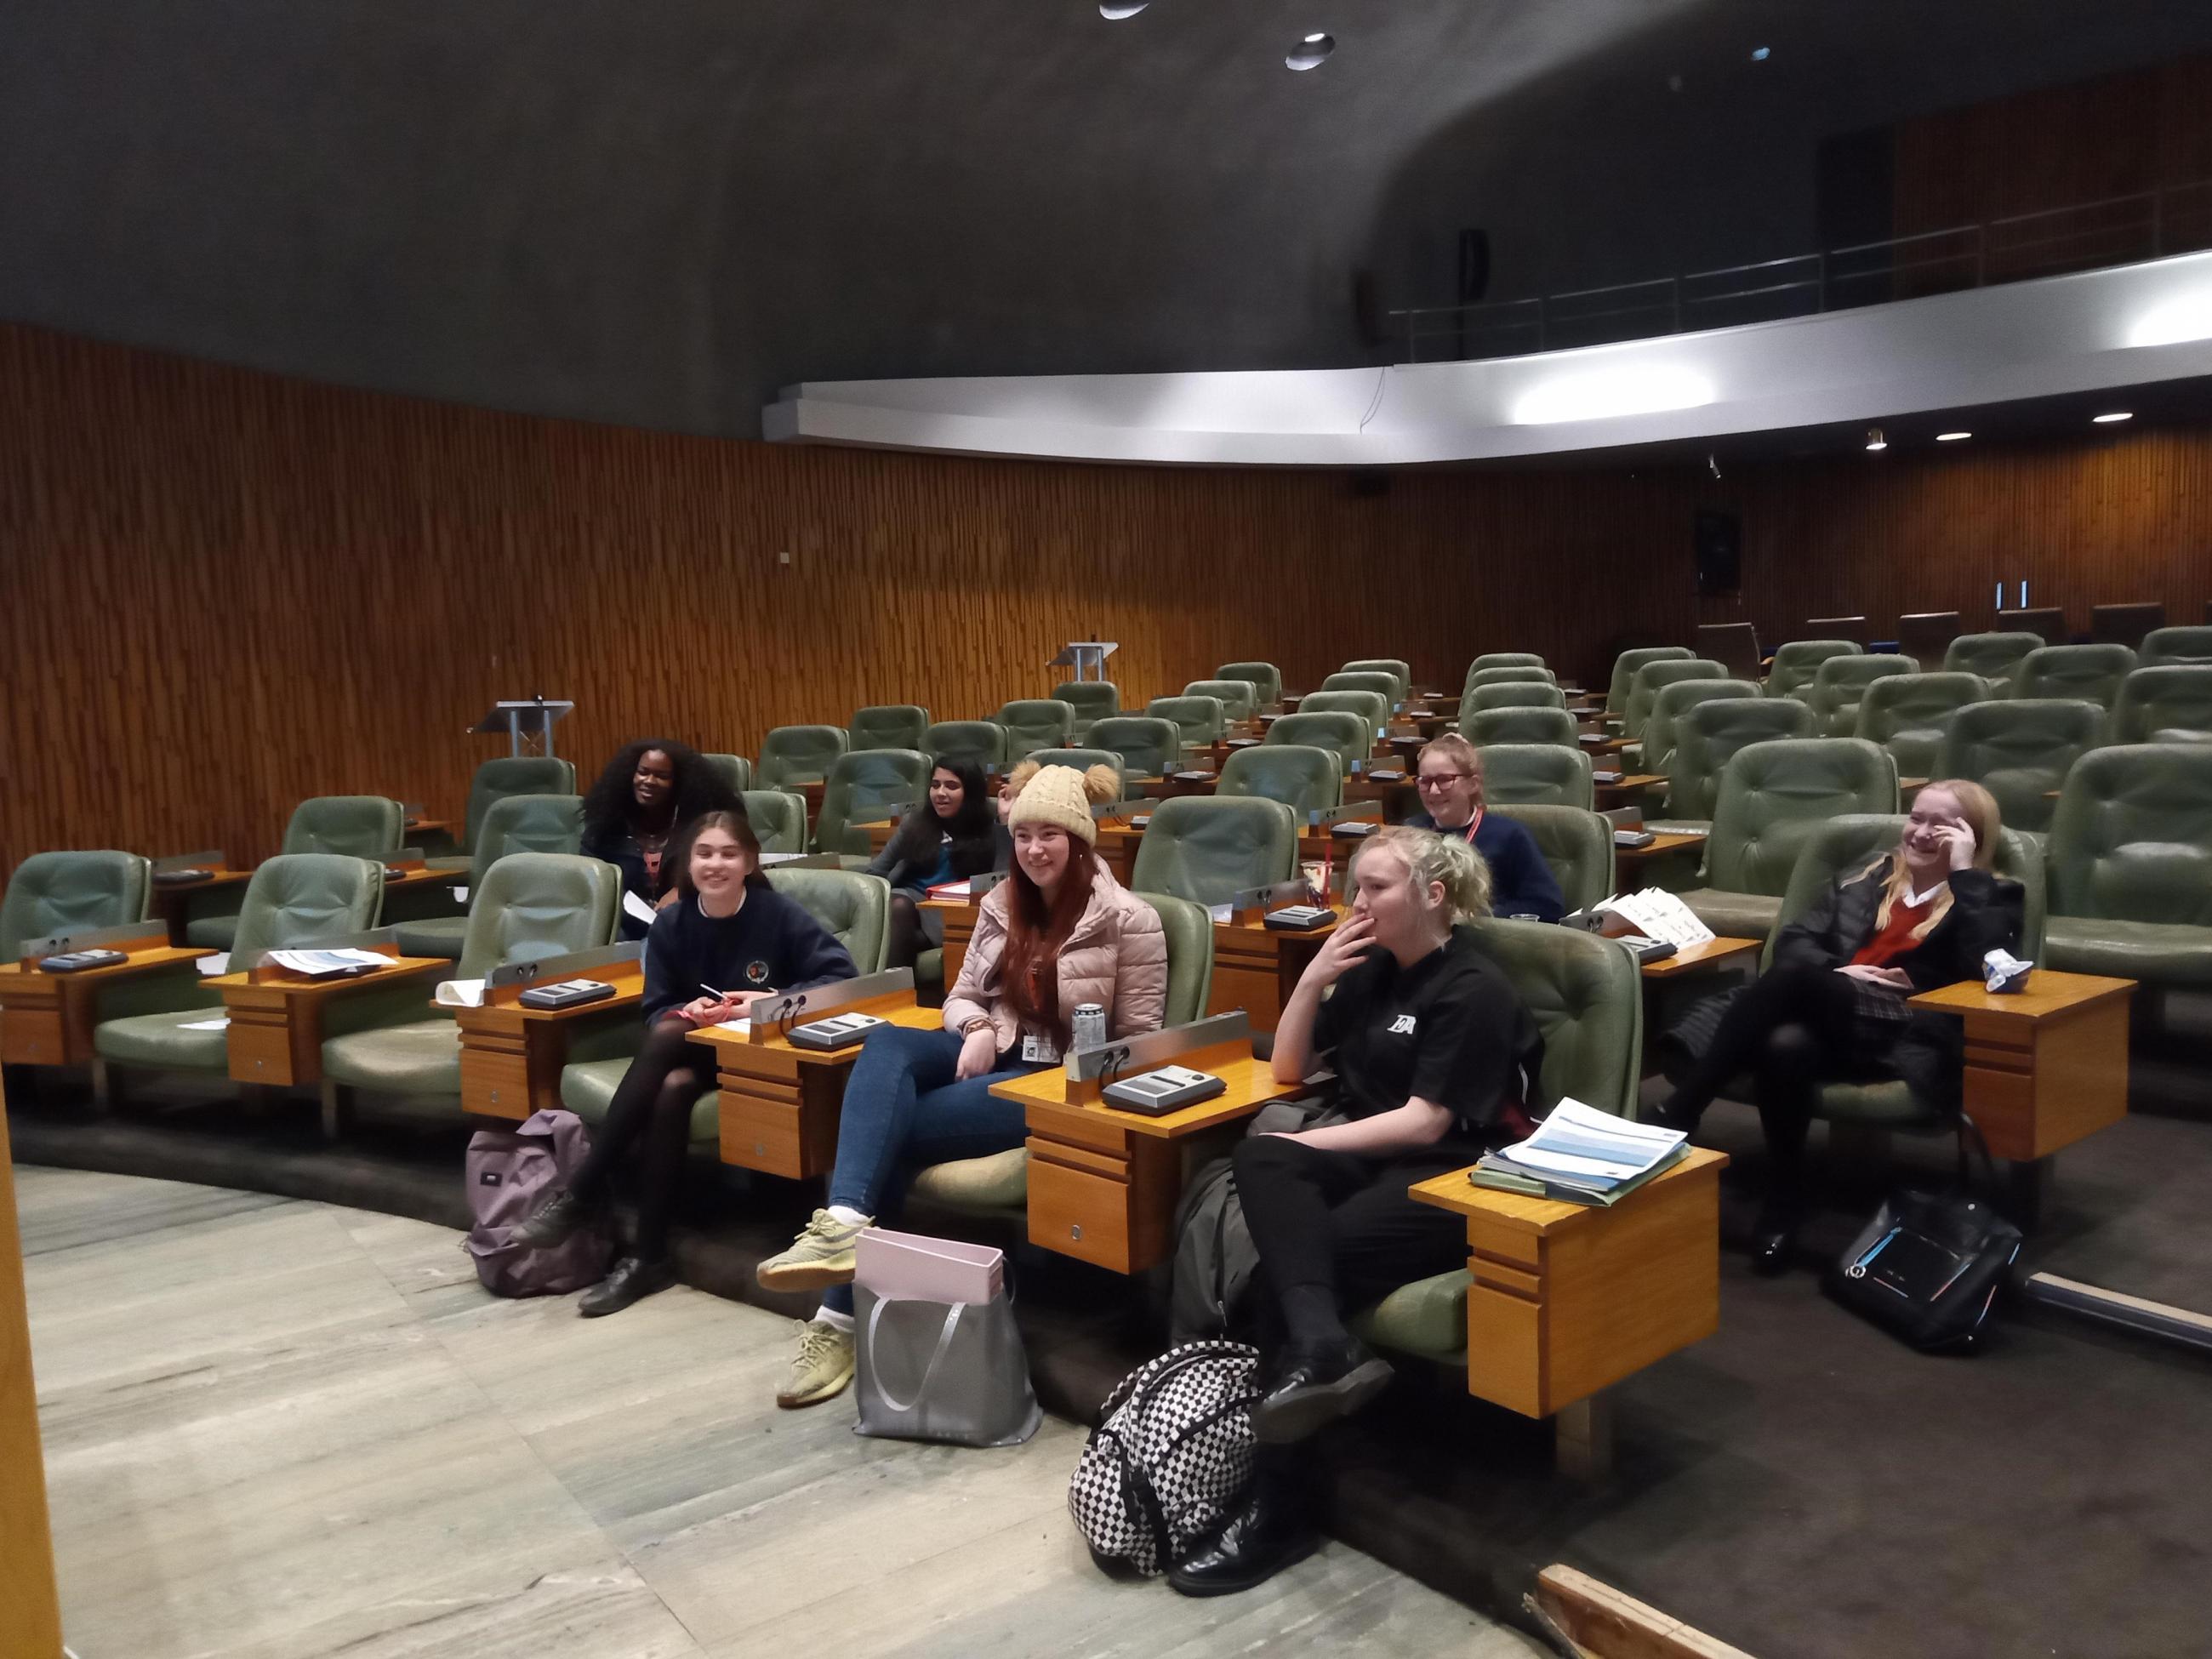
904, 1110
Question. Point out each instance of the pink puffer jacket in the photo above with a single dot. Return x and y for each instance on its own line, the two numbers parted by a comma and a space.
1117, 958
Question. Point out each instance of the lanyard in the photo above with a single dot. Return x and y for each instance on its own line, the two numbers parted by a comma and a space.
1472, 824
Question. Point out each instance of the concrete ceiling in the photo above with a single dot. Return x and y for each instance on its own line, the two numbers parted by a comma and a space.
659, 214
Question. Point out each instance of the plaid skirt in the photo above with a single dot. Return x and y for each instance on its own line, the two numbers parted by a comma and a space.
1890, 1039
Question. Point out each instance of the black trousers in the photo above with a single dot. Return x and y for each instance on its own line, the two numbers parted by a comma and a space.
1340, 1222
652, 1111
1793, 1029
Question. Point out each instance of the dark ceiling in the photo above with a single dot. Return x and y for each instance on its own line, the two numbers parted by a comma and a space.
659, 213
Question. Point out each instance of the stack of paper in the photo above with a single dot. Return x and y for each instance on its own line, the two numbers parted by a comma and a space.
1582, 1155
1659, 915
325, 964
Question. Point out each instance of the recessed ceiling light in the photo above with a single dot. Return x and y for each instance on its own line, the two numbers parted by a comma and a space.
1114, 10
1310, 51
1951, 437
2117, 414
1761, 54
1875, 440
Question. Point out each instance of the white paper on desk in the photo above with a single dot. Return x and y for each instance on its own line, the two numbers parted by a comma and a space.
1657, 914
319, 962
637, 910
1582, 1142
220, 1022
1222, 912
212, 965
461, 994
742, 1027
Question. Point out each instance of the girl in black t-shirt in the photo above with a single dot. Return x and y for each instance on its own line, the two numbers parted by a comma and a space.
1431, 1046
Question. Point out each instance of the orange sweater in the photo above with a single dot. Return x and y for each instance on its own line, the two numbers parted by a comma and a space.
1896, 940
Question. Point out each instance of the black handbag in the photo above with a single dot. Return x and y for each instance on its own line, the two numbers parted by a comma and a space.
1929, 1266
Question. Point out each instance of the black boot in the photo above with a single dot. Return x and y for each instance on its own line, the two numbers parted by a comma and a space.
555, 1222
1774, 1234
1315, 1383
1274, 1530
631, 1281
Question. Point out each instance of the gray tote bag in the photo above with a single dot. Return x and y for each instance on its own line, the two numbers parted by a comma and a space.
951, 1371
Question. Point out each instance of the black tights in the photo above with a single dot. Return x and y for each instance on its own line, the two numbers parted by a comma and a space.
907, 941
653, 1105
1792, 1029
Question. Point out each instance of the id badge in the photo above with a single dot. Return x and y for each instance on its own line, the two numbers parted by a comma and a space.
1038, 1051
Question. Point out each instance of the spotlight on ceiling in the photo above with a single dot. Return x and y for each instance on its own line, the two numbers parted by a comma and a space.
1875, 440
1761, 54
2176, 322
1310, 51
2117, 414
1952, 437
1114, 10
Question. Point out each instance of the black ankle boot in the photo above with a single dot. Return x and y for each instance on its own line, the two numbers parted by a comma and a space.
1272, 1531
1774, 1235
631, 1282
1315, 1383
554, 1222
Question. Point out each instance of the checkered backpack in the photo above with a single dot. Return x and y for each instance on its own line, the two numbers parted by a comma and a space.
1171, 1457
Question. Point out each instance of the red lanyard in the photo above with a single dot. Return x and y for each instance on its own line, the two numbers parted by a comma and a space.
1472, 824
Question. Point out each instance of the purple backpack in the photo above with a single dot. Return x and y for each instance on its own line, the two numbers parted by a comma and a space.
510, 1173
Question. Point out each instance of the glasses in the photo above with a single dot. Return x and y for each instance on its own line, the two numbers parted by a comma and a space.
1441, 779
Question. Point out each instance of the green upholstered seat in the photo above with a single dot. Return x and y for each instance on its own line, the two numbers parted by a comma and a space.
1520, 724
1263, 675
1735, 645
1092, 701
1347, 736
2130, 858
2019, 749
54, 893
530, 906
1512, 693
793, 755
1645, 687
1796, 663
1908, 714
1666, 711
1305, 778
1371, 708
2173, 647
1536, 774
2170, 703
1148, 744
1996, 657
1201, 719
294, 899
1624, 672
1034, 723
587, 1089
1237, 698
1774, 796
518, 823
1575, 843
2092, 673
495, 780
889, 726
735, 771
1210, 849
1508, 674
867, 787
983, 742
1490, 659
1084, 759
1587, 998
352, 826
999, 1184
1840, 683
1401, 673
1384, 684
779, 819
1707, 733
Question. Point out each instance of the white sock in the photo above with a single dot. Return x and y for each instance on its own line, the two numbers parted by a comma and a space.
849, 1215
843, 1322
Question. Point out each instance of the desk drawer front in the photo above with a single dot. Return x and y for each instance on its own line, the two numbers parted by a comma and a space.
1080, 1212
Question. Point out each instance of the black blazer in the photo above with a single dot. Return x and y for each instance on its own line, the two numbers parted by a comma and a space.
1986, 912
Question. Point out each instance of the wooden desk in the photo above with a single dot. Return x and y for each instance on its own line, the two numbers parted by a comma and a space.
780, 1104
2045, 1067
1104, 1184
1169, 787
172, 903
275, 1034
1698, 958
959, 927
46, 1020
1628, 861
1117, 844
1625, 793
30, 1609
1256, 968
1570, 1298
879, 834
512, 1056
415, 827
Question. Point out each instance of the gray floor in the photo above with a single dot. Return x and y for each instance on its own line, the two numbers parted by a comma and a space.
284, 1430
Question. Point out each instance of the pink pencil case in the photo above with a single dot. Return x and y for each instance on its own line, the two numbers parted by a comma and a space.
928, 1269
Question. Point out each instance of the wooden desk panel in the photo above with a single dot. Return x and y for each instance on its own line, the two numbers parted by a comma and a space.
275, 1032
1630, 862
46, 1020
2045, 1066
959, 927
172, 904
1633, 785
1256, 968
1568, 1298
30, 1609
1696, 958
780, 1105
512, 1057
